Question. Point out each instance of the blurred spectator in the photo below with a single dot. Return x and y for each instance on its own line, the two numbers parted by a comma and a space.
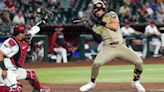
2, 5
134, 5
19, 18
161, 4
34, 51
160, 16
10, 4
12, 13
152, 30
6, 18
149, 10
153, 5
143, 15
33, 18
124, 9
127, 2
40, 50
39, 2
5, 21
66, 4
26, 5
129, 17
139, 11
129, 31
134, 2
52, 1
37, 50
86, 14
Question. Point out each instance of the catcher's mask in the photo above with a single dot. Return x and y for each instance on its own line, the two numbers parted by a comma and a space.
22, 29
19, 29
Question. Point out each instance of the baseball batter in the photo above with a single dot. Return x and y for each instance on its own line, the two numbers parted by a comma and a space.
107, 26
12, 55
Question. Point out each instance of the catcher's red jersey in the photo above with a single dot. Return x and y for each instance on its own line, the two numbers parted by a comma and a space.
15, 50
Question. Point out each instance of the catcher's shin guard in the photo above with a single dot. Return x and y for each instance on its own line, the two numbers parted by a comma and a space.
4, 89
137, 74
32, 78
18, 88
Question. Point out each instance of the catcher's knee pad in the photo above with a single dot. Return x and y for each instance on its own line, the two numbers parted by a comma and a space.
32, 78
31, 74
16, 88
4, 89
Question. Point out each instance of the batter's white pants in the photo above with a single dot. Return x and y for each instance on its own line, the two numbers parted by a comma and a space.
61, 54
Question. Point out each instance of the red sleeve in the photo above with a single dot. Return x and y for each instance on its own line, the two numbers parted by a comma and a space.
54, 39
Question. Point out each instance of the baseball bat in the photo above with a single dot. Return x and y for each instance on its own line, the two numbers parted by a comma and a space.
79, 20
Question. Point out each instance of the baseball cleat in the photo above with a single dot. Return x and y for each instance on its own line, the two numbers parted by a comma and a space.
137, 85
44, 89
87, 87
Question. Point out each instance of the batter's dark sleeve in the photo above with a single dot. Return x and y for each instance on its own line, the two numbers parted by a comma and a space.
96, 37
88, 26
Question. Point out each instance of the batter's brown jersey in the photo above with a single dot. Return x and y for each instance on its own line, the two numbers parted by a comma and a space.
112, 51
109, 36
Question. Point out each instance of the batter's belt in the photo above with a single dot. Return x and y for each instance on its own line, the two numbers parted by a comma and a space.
114, 43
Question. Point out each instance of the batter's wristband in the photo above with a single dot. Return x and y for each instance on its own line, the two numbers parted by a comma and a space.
2, 65
102, 23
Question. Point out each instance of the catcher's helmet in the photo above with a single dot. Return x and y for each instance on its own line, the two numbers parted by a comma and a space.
19, 29
97, 6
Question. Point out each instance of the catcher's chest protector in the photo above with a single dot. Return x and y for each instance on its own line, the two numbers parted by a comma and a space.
19, 58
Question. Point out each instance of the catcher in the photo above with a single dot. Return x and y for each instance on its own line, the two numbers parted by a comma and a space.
12, 56
107, 27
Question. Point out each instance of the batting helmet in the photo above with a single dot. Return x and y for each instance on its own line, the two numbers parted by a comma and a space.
97, 6
19, 29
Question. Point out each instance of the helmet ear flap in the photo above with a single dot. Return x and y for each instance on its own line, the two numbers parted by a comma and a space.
16, 33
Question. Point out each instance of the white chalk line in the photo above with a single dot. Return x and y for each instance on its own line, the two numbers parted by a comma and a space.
150, 69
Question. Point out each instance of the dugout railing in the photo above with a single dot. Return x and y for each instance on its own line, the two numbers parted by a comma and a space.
145, 38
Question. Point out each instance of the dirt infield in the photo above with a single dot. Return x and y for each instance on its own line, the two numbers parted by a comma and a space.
107, 87
112, 87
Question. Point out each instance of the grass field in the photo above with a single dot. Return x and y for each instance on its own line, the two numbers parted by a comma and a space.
153, 73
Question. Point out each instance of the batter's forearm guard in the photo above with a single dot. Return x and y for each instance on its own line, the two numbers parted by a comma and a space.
101, 23
96, 37
2, 65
